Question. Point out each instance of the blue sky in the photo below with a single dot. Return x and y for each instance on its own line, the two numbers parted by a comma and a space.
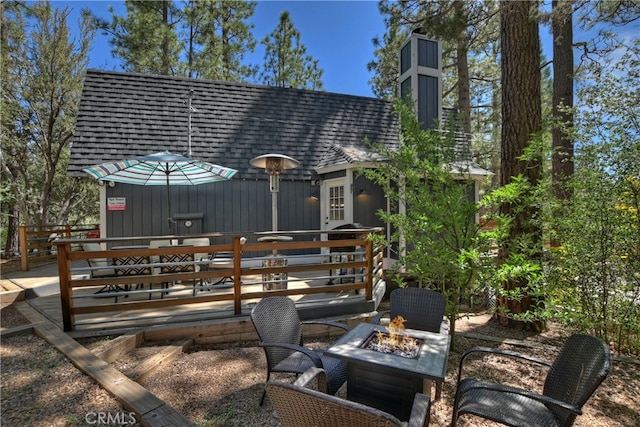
336, 33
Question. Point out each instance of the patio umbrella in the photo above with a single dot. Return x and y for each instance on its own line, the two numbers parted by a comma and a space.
163, 168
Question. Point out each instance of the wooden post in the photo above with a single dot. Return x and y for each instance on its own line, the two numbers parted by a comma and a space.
369, 279
237, 286
64, 265
24, 253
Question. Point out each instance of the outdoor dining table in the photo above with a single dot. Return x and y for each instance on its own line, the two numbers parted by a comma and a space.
389, 382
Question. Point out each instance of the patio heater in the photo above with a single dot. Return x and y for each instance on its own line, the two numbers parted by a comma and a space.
274, 165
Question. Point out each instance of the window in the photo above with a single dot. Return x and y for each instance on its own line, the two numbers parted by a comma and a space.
427, 101
405, 58
427, 53
405, 88
336, 203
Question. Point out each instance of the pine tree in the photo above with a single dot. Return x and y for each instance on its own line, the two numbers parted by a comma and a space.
562, 30
221, 37
521, 121
384, 82
42, 76
286, 61
146, 39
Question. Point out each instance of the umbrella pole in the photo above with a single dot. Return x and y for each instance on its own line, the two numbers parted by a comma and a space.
169, 219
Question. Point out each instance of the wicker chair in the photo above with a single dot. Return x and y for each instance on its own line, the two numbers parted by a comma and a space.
280, 331
422, 309
582, 364
296, 406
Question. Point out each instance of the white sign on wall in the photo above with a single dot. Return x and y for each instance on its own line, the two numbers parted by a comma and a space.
116, 203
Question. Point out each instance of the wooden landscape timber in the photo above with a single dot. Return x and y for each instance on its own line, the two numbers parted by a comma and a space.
149, 410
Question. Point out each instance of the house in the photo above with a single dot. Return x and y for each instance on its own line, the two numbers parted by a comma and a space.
124, 115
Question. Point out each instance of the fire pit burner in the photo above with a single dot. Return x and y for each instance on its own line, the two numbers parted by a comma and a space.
397, 344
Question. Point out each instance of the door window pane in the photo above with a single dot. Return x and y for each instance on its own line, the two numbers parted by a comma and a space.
336, 203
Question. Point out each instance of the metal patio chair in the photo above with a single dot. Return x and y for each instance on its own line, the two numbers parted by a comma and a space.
422, 309
279, 328
100, 269
582, 364
133, 265
199, 257
178, 263
297, 405
155, 259
198, 241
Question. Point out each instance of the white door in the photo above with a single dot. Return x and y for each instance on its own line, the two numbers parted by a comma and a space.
336, 202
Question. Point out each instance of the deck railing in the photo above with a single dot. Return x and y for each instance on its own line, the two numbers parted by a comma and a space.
36, 242
310, 258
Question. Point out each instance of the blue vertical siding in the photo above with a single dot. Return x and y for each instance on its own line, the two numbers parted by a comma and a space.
232, 206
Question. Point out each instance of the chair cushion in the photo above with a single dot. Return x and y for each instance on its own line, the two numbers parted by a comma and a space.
502, 406
97, 262
155, 244
297, 362
103, 272
198, 241
221, 263
94, 262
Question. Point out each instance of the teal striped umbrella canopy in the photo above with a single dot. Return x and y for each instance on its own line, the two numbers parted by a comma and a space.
161, 169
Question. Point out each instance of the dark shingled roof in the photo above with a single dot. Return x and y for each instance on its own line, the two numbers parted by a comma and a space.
123, 115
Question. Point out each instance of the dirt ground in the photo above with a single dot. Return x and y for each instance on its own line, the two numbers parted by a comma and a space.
220, 385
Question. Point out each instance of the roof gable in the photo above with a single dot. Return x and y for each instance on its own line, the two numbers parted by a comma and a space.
123, 115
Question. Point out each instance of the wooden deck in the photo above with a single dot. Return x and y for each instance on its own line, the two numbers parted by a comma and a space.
68, 296
122, 321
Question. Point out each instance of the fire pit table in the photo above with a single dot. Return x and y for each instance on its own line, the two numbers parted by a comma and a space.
389, 381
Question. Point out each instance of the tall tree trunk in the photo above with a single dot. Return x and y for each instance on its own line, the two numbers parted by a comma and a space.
521, 120
13, 221
462, 63
464, 101
192, 34
562, 28
166, 62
